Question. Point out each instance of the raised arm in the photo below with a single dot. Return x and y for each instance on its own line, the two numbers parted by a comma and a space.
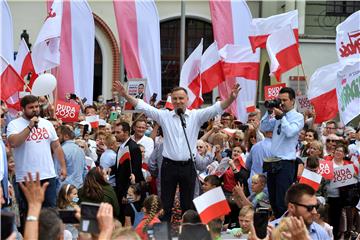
233, 95
122, 91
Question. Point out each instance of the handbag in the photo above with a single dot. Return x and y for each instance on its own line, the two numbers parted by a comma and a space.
350, 194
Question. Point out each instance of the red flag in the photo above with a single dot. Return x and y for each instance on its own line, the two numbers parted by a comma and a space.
23, 63
283, 51
168, 104
190, 77
211, 69
211, 204
124, 155
261, 28
93, 120
11, 82
311, 178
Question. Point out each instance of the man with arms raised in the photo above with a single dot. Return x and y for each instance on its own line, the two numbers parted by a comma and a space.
177, 167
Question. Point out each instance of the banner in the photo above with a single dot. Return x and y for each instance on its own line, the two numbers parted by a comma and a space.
67, 112
326, 169
303, 103
348, 92
272, 91
348, 39
343, 176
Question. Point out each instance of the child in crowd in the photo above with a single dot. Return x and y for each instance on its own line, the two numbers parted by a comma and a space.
153, 209
67, 199
211, 182
133, 213
320, 219
246, 216
215, 227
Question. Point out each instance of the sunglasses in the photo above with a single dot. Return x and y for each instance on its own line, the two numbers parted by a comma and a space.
199, 147
238, 139
331, 140
309, 208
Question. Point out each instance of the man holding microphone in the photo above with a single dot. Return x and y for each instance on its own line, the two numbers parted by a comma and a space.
177, 166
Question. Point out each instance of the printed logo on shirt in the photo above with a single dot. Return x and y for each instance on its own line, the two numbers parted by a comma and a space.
38, 134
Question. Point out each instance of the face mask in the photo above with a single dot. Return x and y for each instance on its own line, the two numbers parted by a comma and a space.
148, 132
44, 106
75, 199
77, 132
130, 199
224, 154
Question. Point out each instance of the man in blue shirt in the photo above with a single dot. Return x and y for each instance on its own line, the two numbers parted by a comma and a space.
74, 157
286, 123
302, 203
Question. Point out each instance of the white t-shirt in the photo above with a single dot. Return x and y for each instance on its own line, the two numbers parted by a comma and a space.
148, 144
34, 155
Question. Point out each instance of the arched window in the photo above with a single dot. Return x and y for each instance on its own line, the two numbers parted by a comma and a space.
170, 49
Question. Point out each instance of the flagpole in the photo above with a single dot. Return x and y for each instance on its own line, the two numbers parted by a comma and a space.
302, 68
298, 76
182, 34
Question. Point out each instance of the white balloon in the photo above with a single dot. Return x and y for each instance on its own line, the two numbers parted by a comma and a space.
44, 84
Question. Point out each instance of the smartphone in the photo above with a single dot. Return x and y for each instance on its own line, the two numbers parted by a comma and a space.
113, 116
153, 97
88, 221
261, 219
7, 223
68, 216
162, 231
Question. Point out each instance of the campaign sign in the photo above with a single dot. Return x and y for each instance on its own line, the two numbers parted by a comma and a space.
343, 176
303, 103
326, 169
67, 112
271, 92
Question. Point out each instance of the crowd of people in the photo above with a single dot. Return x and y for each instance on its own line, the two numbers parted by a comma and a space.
49, 166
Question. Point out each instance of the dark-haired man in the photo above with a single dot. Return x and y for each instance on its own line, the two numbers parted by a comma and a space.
285, 123
302, 203
34, 139
177, 167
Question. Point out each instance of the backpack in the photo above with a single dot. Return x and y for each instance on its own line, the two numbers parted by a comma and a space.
138, 216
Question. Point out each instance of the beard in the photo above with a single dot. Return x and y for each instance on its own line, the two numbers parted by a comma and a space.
31, 114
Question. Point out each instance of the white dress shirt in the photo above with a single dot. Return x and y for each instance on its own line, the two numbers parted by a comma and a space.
175, 146
148, 144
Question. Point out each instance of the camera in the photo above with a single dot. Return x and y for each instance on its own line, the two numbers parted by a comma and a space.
275, 103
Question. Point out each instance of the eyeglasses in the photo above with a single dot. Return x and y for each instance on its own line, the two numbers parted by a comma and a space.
309, 208
238, 139
331, 140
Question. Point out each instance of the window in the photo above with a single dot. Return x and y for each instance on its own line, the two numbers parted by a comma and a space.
341, 8
195, 29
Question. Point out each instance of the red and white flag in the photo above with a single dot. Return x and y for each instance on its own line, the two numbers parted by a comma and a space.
139, 33
310, 178
123, 155
11, 82
239, 62
168, 104
283, 51
93, 120
77, 45
322, 92
190, 77
6, 33
261, 28
211, 69
23, 63
231, 22
211, 204
46, 49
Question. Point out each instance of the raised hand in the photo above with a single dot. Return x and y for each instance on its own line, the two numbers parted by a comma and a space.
120, 88
33, 191
235, 91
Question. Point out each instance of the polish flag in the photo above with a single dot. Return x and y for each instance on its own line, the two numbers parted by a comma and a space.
322, 92
123, 155
93, 120
23, 63
168, 104
6, 33
190, 77
211, 204
231, 22
250, 107
139, 34
283, 51
261, 28
211, 69
11, 82
77, 44
310, 178
46, 49
239, 62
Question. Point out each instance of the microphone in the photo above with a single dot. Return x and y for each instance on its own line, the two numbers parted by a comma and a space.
36, 123
180, 112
